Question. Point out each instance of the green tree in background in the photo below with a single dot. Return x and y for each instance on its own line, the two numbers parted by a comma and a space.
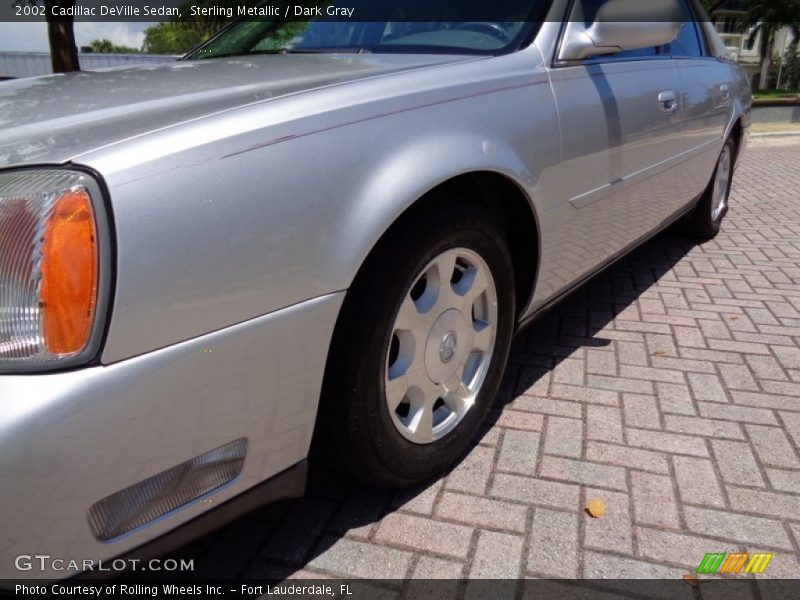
173, 37
765, 17
791, 71
768, 17
106, 46
180, 36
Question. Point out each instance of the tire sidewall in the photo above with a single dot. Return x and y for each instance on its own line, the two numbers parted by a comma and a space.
403, 458
715, 225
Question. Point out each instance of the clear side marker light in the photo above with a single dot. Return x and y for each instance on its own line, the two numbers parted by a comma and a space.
146, 501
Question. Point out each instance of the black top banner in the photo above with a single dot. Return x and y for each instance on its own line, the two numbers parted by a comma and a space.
463, 11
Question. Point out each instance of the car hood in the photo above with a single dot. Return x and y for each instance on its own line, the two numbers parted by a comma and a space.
55, 118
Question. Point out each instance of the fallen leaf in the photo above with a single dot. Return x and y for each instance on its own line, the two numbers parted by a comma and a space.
691, 580
596, 508
659, 353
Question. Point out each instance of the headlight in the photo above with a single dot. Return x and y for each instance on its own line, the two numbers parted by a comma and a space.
53, 269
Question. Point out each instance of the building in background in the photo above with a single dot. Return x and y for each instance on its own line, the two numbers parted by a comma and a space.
728, 19
34, 64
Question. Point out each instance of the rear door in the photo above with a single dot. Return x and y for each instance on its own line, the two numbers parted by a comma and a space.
706, 88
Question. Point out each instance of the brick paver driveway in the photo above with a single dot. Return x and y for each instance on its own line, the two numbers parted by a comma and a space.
669, 388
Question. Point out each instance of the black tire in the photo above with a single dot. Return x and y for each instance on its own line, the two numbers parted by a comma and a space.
355, 431
701, 222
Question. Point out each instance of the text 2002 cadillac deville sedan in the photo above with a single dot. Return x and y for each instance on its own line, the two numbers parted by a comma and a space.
208, 263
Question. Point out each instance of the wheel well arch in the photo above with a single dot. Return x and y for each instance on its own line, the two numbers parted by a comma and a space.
508, 203
737, 132
505, 201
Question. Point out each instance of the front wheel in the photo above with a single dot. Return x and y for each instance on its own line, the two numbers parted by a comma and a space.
420, 348
706, 219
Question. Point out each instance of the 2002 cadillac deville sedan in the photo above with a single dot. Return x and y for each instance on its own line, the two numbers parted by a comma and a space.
208, 263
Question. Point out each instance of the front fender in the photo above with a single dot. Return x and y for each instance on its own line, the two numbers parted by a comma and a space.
415, 170
216, 234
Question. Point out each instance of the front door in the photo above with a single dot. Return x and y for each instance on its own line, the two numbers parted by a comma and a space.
620, 119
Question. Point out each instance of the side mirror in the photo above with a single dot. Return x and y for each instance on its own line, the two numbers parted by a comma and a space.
620, 25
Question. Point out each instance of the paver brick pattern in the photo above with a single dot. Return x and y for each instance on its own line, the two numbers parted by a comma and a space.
669, 388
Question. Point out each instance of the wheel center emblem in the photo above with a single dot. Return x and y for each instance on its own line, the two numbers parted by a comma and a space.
447, 349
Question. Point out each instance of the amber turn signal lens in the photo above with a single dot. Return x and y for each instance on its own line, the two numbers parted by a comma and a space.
68, 292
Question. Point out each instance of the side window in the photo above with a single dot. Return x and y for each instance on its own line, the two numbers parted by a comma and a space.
688, 41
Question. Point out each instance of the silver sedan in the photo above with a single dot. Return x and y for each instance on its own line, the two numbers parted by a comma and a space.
319, 240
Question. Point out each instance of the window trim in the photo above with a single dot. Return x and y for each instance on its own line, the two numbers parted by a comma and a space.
699, 31
663, 53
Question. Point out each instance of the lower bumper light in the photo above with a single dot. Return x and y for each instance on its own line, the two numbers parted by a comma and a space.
152, 498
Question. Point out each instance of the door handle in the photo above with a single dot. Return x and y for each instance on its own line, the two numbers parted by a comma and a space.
668, 101
725, 89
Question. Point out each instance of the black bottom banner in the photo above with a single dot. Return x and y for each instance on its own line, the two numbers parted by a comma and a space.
414, 589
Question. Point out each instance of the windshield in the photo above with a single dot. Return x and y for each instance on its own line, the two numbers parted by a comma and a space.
440, 34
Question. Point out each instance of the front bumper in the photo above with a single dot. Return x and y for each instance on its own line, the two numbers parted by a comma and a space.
70, 439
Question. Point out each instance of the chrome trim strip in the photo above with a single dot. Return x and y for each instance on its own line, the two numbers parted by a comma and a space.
597, 194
